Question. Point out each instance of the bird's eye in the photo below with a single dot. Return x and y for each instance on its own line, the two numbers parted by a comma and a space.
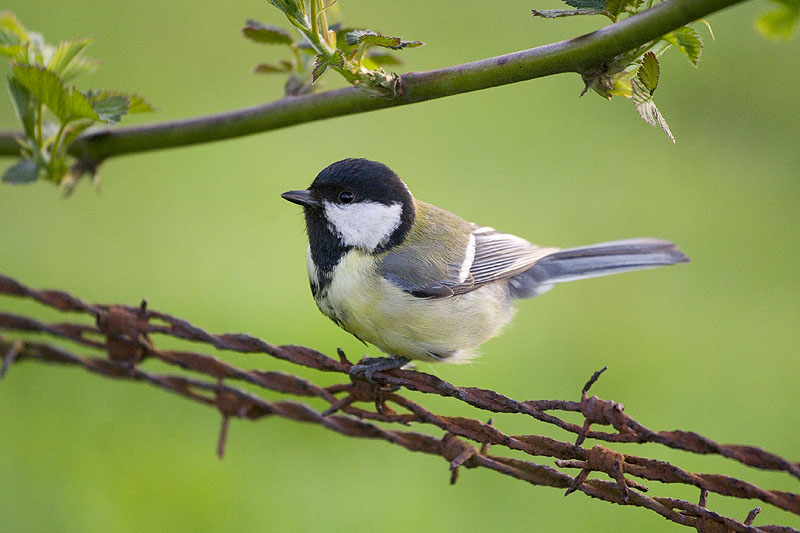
346, 197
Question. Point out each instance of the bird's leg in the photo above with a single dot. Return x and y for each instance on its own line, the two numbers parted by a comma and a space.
369, 365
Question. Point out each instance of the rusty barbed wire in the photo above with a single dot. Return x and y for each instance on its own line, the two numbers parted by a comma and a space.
125, 334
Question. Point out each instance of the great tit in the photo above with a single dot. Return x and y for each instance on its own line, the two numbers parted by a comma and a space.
421, 283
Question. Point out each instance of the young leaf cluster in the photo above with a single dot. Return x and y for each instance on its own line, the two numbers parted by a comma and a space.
781, 22
612, 9
358, 55
39, 90
634, 75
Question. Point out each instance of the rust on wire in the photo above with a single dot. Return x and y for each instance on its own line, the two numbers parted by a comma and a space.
126, 333
124, 337
602, 459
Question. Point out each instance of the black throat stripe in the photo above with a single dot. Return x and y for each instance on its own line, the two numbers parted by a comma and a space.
326, 248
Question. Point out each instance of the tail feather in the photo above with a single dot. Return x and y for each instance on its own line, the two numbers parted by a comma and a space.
594, 260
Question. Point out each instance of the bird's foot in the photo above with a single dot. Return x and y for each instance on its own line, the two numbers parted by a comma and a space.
367, 367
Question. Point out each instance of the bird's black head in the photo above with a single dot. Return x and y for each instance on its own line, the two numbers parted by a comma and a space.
354, 203
360, 180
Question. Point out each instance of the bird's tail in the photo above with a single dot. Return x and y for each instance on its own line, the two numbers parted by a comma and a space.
592, 261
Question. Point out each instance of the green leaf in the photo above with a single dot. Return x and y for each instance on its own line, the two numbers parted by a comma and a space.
10, 24
370, 38
266, 33
688, 41
65, 53
12, 35
341, 38
780, 23
614, 8
14, 51
110, 106
23, 171
266, 68
647, 108
75, 129
295, 9
356, 37
136, 103
79, 66
410, 44
556, 13
7, 46
57, 171
66, 103
648, 72
22, 106
10, 44
321, 63
587, 4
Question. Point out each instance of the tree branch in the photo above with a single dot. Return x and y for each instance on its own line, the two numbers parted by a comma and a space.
580, 55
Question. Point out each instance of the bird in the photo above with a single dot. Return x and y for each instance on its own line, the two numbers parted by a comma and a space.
421, 283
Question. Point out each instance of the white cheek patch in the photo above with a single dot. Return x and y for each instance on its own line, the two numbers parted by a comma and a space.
363, 224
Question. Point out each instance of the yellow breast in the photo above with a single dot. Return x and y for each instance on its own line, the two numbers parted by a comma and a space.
375, 310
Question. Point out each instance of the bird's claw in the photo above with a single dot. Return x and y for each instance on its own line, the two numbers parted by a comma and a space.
367, 367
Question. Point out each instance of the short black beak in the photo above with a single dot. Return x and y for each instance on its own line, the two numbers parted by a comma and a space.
303, 198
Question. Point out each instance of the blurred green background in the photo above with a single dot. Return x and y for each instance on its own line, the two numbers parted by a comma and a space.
202, 233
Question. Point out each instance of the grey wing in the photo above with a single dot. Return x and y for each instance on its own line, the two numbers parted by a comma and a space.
422, 271
499, 256
489, 256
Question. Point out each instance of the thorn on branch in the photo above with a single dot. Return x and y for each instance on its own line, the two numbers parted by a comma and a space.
485, 446
752, 516
598, 411
339, 404
223, 436
458, 453
10, 356
342, 357
715, 523
229, 404
578, 481
592, 381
